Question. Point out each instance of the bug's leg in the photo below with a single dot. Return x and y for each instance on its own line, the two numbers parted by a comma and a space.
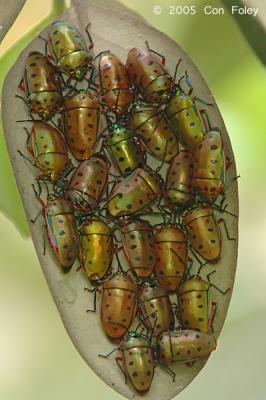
214, 306
155, 52
118, 360
94, 291
108, 354
26, 158
168, 370
89, 36
22, 98
221, 220
43, 239
196, 98
216, 287
176, 69
205, 120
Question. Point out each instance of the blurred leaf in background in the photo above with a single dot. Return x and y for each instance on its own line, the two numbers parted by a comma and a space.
10, 202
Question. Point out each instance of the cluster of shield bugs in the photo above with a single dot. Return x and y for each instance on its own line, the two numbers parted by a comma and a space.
131, 184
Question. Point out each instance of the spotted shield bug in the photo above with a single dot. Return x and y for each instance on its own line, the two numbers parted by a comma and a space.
88, 183
118, 305
148, 74
48, 149
69, 50
81, 124
209, 166
124, 148
154, 131
96, 248
116, 91
184, 118
42, 86
134, 193
179, 180
138, 246
156, 309
203, 232
171, 251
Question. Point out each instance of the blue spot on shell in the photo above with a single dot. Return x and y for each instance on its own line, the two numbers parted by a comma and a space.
61, 233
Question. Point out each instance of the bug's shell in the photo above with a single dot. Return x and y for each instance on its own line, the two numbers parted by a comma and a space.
81, 124
203, 232
62, 231
179, 179
69, 49
125, 149
154, 131
96, 248
156, 300
48, 148
194, 304
149, 76
184, 346
171, 249
115, 84
41, 82
209, 166
118, 305
134, 193
138, 245
184, 119
88, 184
138, 362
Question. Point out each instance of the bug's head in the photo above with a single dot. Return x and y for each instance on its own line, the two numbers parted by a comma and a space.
79, 74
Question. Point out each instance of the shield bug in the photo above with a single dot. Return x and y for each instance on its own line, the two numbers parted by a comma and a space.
42, 86
148, 75
184, 346
138, 245
196, 310
48, 149
61, 229
96, 248
156, 309
179, 180
118, 305
171, 251
134, 193
124, 148
69, 49
88, 183
184, 118
137, 358
203, 232
209, 166
154, 131
116, 91
81, 124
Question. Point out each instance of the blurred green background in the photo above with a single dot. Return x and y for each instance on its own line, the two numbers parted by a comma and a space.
38, 360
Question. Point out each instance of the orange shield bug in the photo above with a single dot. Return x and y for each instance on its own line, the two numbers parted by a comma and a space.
149, 76
195, 305
184, 118
171, 249
118, 305
124, 148
69, 49
88, 183
48, 149
81, 124
155, 133
179, 180
209, 166
116, 91
96, 248
203, 233
61, 229
155, 306
134, 193
41, 84
138, 246
184, 346
137, 359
